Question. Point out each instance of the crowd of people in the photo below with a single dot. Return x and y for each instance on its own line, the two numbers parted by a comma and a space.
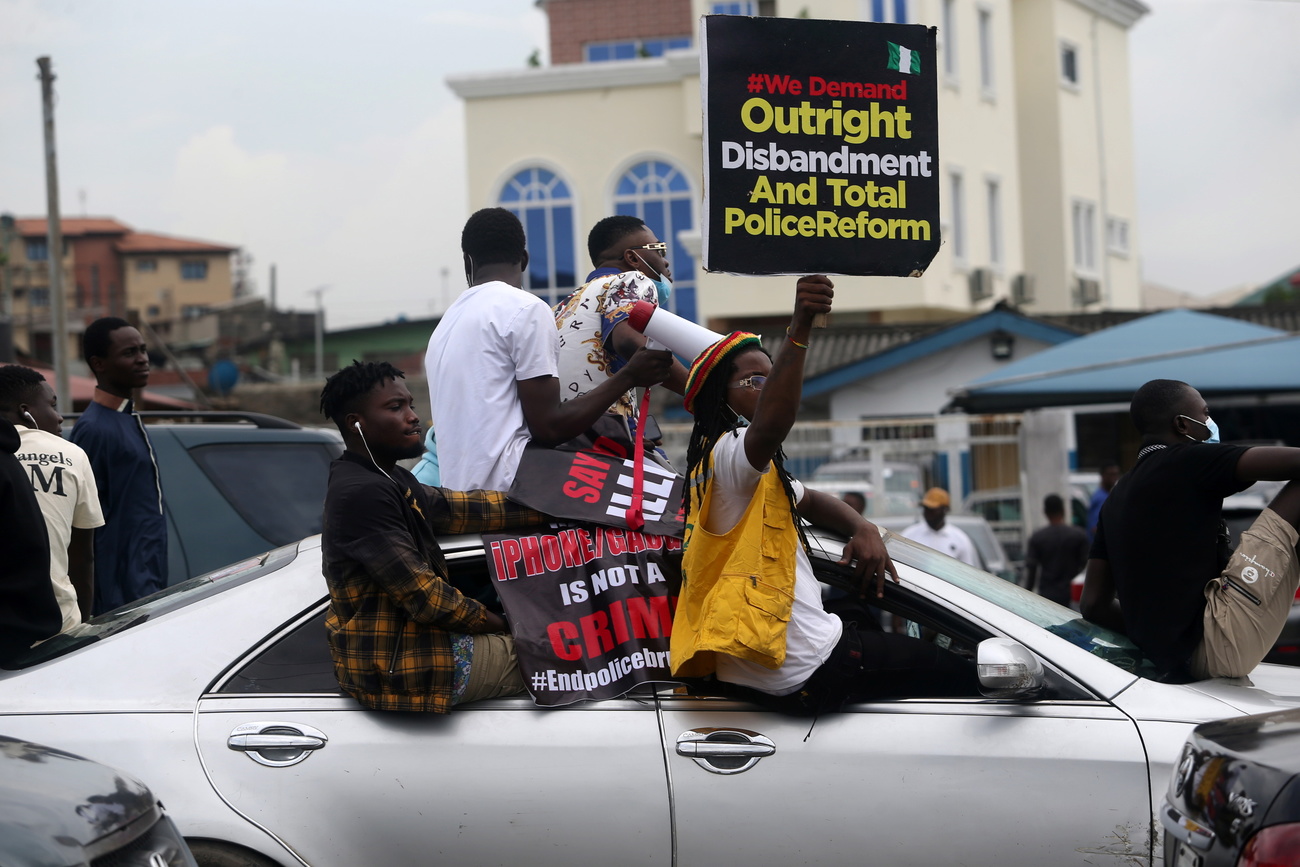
88, 532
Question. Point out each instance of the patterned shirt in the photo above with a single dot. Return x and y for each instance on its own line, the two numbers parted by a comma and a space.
393, 612
585, 322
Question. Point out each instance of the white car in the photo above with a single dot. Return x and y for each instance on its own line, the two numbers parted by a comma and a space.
220, 692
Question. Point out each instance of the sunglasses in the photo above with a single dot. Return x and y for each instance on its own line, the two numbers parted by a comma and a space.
755, 382
658, 247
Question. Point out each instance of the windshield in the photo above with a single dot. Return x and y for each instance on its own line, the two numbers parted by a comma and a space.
1056, 619
174, 597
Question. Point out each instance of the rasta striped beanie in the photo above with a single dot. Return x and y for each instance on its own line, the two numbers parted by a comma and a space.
709, 359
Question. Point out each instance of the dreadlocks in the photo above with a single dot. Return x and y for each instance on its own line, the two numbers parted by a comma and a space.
342, 390
714, 420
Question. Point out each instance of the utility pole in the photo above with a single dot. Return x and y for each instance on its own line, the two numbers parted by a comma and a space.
320, 331
6, 290
54, 227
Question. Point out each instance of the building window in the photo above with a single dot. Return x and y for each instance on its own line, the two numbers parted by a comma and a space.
886, 11
631, 49
153, 311
743, 8
986, 53
39, 297
95, 300
196, 269
993, 190
543, 203
957, 203
1117, 236
1069, 65
193, 311
1083, 223
38, 250
146, 265
660, 195
948, 34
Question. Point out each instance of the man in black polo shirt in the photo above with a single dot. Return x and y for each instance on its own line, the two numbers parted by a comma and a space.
1193, 610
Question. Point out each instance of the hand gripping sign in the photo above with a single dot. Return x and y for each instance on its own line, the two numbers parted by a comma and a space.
821, 146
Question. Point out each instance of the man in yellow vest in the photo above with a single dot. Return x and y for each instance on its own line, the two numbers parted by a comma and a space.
750, 607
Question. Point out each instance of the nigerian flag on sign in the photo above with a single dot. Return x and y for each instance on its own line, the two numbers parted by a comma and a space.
904, 59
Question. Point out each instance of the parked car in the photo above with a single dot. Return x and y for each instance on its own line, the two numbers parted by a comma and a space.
220, 691
236, 484
898, 495
1234, 799
58, 809
993, 558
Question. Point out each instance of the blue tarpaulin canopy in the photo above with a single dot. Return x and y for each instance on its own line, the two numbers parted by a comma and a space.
1221, 357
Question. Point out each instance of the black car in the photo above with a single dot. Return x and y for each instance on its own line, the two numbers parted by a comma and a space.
1235, 795
61, 810
236, 484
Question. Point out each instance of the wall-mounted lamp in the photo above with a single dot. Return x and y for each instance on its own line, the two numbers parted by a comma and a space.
1002, 345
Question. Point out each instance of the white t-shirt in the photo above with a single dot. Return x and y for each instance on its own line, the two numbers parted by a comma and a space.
812, 633
947, 539
493, 336
65, 489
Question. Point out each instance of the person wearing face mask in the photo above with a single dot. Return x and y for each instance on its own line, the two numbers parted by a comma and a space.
1160, 570
64, 485
594, 334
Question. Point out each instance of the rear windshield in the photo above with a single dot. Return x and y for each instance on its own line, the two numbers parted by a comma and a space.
173, 598
278, 488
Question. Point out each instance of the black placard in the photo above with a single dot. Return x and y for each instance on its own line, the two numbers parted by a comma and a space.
821, 146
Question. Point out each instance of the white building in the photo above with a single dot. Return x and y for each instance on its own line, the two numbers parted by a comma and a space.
1038, 196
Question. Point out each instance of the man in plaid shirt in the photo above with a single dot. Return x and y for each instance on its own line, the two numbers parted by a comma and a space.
401, 636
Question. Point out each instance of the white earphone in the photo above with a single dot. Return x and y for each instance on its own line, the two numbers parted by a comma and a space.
30, 419
357, 425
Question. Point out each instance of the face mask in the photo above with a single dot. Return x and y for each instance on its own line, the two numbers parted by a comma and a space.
1209, 425
663, 286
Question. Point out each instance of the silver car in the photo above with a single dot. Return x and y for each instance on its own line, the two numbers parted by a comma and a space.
220, 692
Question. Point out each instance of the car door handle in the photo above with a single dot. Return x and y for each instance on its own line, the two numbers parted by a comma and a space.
276, 744
724, 750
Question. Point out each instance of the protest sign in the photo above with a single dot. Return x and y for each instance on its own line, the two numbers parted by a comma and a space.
821, 146
590, 479
590, 607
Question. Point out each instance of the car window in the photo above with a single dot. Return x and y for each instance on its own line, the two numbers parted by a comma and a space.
299, 662
278, 488
155, 604
1057, 619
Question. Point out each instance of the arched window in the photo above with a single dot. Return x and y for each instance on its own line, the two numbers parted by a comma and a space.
543, 203
659, 194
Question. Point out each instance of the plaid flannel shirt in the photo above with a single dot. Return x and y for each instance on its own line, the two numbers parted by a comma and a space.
391, 607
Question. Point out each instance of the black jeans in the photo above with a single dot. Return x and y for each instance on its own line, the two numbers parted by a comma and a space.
870, 664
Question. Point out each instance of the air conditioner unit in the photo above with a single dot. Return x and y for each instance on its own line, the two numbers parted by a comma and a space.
1088, 291
981, 284
1022, 289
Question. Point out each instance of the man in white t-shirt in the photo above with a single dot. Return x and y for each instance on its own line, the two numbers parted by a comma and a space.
934, 532
64, 484
491, 366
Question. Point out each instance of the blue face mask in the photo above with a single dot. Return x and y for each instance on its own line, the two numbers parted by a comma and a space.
663, 286
1209, 425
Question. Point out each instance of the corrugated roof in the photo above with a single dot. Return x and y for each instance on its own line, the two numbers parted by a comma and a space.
144, 242
35, 227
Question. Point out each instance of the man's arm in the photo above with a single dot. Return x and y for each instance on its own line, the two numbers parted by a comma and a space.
779, 401
1268, 463
865, 552
551, 422
625, 340
81, 569
454, 512
1099, 603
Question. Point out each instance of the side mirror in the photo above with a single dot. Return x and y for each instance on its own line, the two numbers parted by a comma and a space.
1007, 669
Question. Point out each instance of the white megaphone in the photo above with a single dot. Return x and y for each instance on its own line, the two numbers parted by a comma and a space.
665, 330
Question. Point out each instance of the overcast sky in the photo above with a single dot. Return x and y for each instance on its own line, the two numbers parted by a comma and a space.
320, 136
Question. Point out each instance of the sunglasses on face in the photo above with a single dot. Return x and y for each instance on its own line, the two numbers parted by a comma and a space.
755, 382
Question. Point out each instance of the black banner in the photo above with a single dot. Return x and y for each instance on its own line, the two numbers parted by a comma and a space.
590, 607
590, 479
821, 146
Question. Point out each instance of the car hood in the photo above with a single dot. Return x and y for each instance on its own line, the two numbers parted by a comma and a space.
1269, 688
53, 803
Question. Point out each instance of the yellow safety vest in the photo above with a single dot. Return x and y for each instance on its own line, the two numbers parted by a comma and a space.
737, 587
